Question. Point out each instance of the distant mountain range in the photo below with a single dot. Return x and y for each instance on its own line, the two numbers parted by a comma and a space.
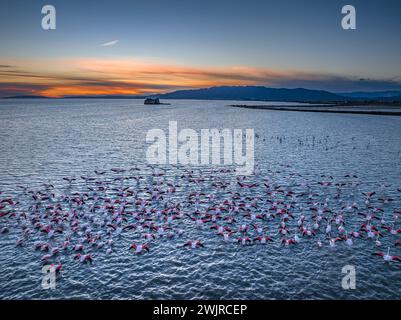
255, 93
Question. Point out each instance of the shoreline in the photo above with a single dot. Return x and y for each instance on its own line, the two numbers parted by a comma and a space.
319, 108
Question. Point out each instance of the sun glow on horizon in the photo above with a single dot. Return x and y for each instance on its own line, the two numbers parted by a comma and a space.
94, 76
132, 76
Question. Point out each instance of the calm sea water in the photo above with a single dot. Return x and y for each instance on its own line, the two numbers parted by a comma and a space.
42, 141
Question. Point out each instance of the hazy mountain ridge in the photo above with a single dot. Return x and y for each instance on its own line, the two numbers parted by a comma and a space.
255, 93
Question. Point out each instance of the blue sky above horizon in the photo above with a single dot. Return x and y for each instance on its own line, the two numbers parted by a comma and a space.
163, 45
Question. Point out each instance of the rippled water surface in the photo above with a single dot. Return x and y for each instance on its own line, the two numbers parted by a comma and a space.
310, 154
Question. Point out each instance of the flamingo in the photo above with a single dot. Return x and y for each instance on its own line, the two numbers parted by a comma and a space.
194, 244
139, 248
288, 242
226, 235
263, 240
57, 267
83, 258
332, 241
386, 256
244, 240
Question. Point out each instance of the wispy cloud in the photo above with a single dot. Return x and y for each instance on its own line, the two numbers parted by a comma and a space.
109, 44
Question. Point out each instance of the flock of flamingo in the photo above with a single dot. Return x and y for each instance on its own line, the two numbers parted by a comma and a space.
86, 215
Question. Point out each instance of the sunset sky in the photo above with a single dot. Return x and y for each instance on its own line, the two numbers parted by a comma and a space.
144, 47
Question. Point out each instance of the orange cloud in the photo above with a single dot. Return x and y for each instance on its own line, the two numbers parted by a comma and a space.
128, 76
92, 76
